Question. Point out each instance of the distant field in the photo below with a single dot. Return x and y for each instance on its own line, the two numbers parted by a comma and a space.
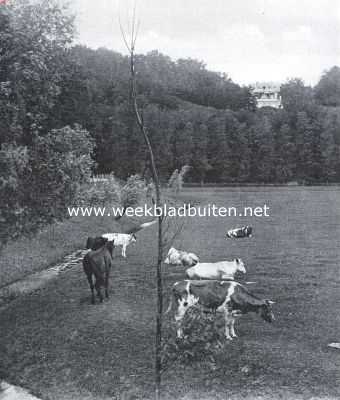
60, 347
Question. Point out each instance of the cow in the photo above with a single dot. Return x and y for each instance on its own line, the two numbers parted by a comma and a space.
178, 257
98, 263
227, 297
216, 270
124, 239
95, 243
121, 239
245, 231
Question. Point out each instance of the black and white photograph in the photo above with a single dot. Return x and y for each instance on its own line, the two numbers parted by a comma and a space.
169, 200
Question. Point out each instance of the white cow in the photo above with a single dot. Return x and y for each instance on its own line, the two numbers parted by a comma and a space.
217, 270
178, 257
124, 239
121, 239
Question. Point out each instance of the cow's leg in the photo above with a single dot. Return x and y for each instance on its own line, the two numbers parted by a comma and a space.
89, 278
232, 330
124, 250
180, 313
99, 292
106, 283
228, 324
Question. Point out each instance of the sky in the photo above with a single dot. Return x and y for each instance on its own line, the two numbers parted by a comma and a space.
249, 40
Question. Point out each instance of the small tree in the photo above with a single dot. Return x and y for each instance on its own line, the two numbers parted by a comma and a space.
131, 49
131, 193
177, 178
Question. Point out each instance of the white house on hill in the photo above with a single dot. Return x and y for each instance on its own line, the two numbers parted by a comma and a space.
267, 94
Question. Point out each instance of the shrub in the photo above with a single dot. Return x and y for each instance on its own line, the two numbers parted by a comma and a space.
40, 181
14, 167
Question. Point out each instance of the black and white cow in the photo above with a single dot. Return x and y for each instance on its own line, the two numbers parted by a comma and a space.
228, 297
245, 231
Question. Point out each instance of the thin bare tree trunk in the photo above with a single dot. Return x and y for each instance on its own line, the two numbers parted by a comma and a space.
158, 344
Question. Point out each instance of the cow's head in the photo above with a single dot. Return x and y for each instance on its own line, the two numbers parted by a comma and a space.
110, 246
248, 230
266, 311
240, 265
89, 242
171, 250
184, 299
95, 243
133, 238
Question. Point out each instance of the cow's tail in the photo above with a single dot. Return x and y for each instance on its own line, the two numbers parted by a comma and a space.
89, 242
169, 307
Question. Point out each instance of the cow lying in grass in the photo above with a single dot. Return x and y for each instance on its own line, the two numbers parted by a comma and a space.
217, 270
245, 231
98, 263
178, 257
227, 297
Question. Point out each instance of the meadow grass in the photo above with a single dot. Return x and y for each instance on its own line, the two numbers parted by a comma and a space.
59, 346
27, 255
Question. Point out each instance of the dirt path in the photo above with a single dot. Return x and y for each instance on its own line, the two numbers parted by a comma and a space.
54, 342
59, 346
10, 392
35, 281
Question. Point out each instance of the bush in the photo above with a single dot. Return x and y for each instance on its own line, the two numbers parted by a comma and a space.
40, 181
132, 191
101, 192
14, 167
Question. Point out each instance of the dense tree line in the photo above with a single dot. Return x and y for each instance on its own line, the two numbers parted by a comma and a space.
65, 111
203, 119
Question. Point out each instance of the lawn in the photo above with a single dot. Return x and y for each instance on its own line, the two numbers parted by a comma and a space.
58, 346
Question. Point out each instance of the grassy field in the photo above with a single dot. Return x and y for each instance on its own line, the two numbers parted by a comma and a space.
31, 254
56, 344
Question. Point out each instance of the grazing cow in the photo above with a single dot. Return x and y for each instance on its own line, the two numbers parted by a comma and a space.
95, 243
245, 231
217, 270
99, 263
228, 297
178, 257
121, 239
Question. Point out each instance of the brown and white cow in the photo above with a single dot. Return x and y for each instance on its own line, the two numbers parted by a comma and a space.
228, 297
